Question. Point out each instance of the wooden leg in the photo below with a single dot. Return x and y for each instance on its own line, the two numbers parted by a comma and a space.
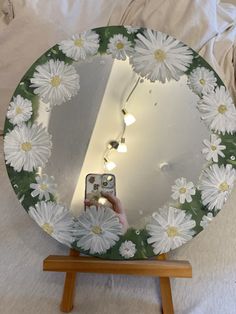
166, 295
164, 269
69, 288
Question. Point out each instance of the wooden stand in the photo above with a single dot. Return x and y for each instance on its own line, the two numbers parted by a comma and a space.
159, 267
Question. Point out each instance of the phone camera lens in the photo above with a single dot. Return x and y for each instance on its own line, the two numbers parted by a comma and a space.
104, 183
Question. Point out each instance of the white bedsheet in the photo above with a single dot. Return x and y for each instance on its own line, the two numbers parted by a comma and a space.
208, 27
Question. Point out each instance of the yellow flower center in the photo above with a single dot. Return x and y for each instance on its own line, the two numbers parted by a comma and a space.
79, 42
43, 187
172, 232
223, 187
56, 81
202, 81
182, 190
213, 148
26, 147
120, 45
96, 229
222, 109
159, 55
47, 228
18, 110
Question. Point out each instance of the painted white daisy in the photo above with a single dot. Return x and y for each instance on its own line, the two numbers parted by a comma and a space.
202, 81
127, 249
216, 183
43, 187
55, 82
27, 148
131, 29
81, 46
183, 190
54, 219
170, 228
213, 148
158, 56
19, 110
206, 219
119, 47
98, 229
218, 110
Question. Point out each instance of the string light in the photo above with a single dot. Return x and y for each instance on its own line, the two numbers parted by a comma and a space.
113, 144
119, 144
128, 117
122, 148
109, 165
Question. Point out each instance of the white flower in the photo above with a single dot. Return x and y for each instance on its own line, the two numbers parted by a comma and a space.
19, 110
218, 110
119, 46
213, 148
216, 184
55, 82
44, 187
98, 229
158, 56
27, 148
127, 249
81, 46
206, 219
131, 29
202, 81
183, 190
55, 219
169, 229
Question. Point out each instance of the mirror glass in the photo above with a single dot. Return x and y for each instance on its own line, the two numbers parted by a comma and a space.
163, 144
120, 142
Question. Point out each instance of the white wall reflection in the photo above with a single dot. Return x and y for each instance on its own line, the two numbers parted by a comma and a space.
164, 143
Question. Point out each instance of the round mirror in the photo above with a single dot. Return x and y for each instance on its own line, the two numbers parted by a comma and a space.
120, 142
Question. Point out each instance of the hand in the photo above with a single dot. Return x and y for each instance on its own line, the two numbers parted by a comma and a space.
118, 208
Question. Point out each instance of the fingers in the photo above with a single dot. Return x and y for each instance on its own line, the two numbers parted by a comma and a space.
90, 203
116, 203
110, 197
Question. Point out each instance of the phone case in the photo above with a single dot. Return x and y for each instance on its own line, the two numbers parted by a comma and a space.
97, 183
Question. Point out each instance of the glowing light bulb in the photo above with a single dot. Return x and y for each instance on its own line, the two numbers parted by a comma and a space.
128, 117
122, 148
109, 165
102, 200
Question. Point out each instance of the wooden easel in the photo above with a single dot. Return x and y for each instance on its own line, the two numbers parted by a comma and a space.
74, 263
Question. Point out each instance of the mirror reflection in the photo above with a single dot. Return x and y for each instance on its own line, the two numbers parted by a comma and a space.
145, 134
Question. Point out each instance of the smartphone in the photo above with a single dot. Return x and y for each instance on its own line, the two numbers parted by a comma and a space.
95, 184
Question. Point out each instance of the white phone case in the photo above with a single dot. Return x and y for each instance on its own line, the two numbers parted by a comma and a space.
97, 183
